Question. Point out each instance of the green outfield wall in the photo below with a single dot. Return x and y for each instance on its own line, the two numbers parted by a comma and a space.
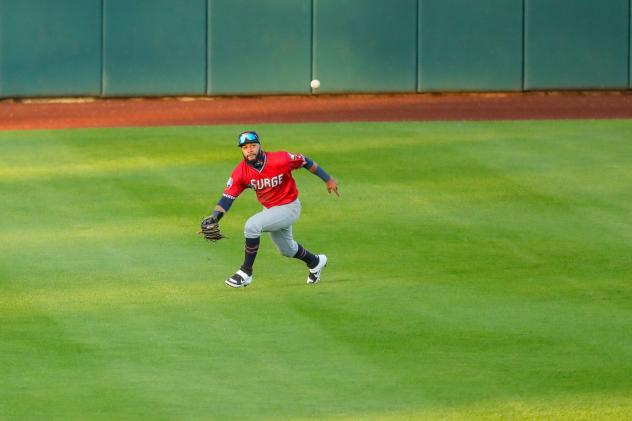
477, 48
365, 45
572, 44
243, 47
50, 48
259, 47
154, 47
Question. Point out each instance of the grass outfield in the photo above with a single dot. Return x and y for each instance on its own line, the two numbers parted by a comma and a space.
478, 270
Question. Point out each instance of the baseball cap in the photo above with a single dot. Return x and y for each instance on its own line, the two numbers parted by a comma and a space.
248, 137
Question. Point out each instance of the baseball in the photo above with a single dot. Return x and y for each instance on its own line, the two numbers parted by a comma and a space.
315, 84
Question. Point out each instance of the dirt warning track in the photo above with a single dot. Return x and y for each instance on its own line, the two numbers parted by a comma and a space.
47, 114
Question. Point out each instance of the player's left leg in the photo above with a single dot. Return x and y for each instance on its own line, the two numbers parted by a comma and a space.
284, 241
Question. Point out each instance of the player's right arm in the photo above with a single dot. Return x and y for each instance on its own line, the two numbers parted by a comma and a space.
234, 186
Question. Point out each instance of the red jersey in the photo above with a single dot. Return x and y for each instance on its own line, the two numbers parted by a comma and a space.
273, 183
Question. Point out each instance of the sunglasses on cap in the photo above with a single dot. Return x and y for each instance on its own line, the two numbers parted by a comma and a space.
248, 137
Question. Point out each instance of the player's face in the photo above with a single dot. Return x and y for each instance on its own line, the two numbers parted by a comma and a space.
250, 151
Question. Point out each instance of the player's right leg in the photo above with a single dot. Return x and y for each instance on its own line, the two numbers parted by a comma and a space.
252, 231
239, 279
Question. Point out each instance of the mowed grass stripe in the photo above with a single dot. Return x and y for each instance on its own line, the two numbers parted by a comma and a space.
478, 270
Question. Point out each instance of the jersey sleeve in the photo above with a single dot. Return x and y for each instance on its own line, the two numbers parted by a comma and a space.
235, 184
294, 160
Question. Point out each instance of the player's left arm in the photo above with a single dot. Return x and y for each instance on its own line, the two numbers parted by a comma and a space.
314, 168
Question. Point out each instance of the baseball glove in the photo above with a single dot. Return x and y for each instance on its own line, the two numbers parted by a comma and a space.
209, 229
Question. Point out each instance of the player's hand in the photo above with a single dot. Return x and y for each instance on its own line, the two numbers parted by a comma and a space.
209, 220
332, 186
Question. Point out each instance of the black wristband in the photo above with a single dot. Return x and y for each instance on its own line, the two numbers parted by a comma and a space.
322, 174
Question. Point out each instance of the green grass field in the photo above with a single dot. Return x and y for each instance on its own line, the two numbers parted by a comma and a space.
478, 270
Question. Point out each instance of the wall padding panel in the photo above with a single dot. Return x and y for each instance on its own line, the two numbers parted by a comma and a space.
50, 48
575, 44
365, 45
470, 45
259, 47
154, 47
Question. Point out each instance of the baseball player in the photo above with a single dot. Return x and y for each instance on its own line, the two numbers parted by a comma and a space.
269, 174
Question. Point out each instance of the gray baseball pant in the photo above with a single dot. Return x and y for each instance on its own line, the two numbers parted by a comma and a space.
277, 221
